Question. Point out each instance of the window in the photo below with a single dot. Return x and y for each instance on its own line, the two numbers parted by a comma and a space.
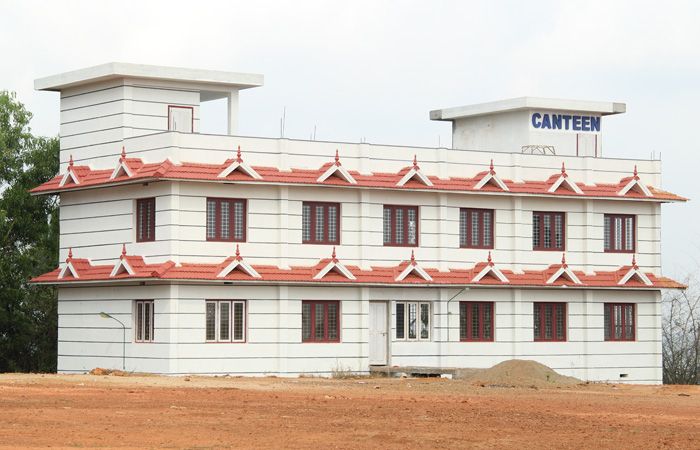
181, 118
549, 321
476, 321
619, 322
226, 219
475, 228
548, 231
413, 321
320, 223
320, 321
401, 226
619, 233
145, 220
225, 321
143, 321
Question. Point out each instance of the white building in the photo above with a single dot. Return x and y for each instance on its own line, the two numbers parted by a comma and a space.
227, 254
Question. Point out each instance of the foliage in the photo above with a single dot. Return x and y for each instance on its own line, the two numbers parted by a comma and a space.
681, 336
28, 243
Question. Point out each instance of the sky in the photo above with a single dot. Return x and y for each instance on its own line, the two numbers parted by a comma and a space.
372, 70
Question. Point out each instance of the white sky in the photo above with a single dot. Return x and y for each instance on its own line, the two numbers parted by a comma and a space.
373, 69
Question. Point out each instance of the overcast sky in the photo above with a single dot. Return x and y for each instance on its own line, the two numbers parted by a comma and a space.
372, 70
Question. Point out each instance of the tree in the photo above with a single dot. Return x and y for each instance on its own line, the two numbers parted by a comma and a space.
28, 243
681, 336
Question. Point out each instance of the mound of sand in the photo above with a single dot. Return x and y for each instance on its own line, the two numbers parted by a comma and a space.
521, 373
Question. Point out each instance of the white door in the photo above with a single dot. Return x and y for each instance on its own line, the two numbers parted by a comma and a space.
378, 333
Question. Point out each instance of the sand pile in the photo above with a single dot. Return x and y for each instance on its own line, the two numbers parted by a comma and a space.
521, 373
101, 371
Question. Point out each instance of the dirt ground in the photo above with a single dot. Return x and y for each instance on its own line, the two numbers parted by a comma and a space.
149, 411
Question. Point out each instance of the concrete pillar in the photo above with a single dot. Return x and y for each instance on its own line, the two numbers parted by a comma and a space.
232, 112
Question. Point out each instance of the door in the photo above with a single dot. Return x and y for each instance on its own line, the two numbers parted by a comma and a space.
378, 333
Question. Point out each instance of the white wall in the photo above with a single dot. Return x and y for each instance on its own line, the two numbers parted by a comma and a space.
274, 332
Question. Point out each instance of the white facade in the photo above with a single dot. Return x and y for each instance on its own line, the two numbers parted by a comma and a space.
127, 106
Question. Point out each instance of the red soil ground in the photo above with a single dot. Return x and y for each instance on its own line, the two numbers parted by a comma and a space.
108, 411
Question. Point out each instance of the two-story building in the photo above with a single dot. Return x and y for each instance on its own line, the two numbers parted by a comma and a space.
229, 254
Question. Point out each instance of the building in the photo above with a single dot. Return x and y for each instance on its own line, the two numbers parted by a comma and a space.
227, 254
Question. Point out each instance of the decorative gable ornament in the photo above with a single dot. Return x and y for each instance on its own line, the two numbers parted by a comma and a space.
564, 271
122, 265
415, 173
239, 164
337, 169
635, 272
636, 185
335, 265
565, 182
70, 176
122, 167
413, 267
491, 178
490, 270
68, 270
239, 264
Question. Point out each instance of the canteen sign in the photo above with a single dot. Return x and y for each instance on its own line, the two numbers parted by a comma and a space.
566, 122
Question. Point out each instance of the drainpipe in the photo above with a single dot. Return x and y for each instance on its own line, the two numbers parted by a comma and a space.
449, 313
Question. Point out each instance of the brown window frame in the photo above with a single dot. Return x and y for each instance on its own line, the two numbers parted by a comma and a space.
232, 223
623, 238
150, 232
392, 228
609, 332
139, 325
312, 320
552, 237
217, 321
466, 315
466, 214
542, 321
312, 224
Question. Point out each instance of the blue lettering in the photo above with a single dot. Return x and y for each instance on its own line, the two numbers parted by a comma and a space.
536, 120
586, 123
556, 121
595, 123
545, 122
567, 118
577, 123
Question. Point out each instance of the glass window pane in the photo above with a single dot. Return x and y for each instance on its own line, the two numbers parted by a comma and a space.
238, 325
332, 321
387, 226
412, 319
400, 318
606, 232
617, 321
306, 222
618, 233
398, 227
487, 228
487, 320
211, 219
536, 231
225, 223
139, 321
424, 320
560, 321
224, 321
475, 321
412, 226
320, 224
319, 323
306, 321
536, 316
147, 325
547, 223
332, 223
629, 322
463, 227
606, 322
211, 321
475, 229
558, 231
463, 320
238, 220
548, 321
629, 233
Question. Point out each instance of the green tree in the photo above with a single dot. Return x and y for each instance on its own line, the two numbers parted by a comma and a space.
28, 243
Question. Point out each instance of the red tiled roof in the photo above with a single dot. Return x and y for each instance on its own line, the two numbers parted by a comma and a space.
167, 170
376, 275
